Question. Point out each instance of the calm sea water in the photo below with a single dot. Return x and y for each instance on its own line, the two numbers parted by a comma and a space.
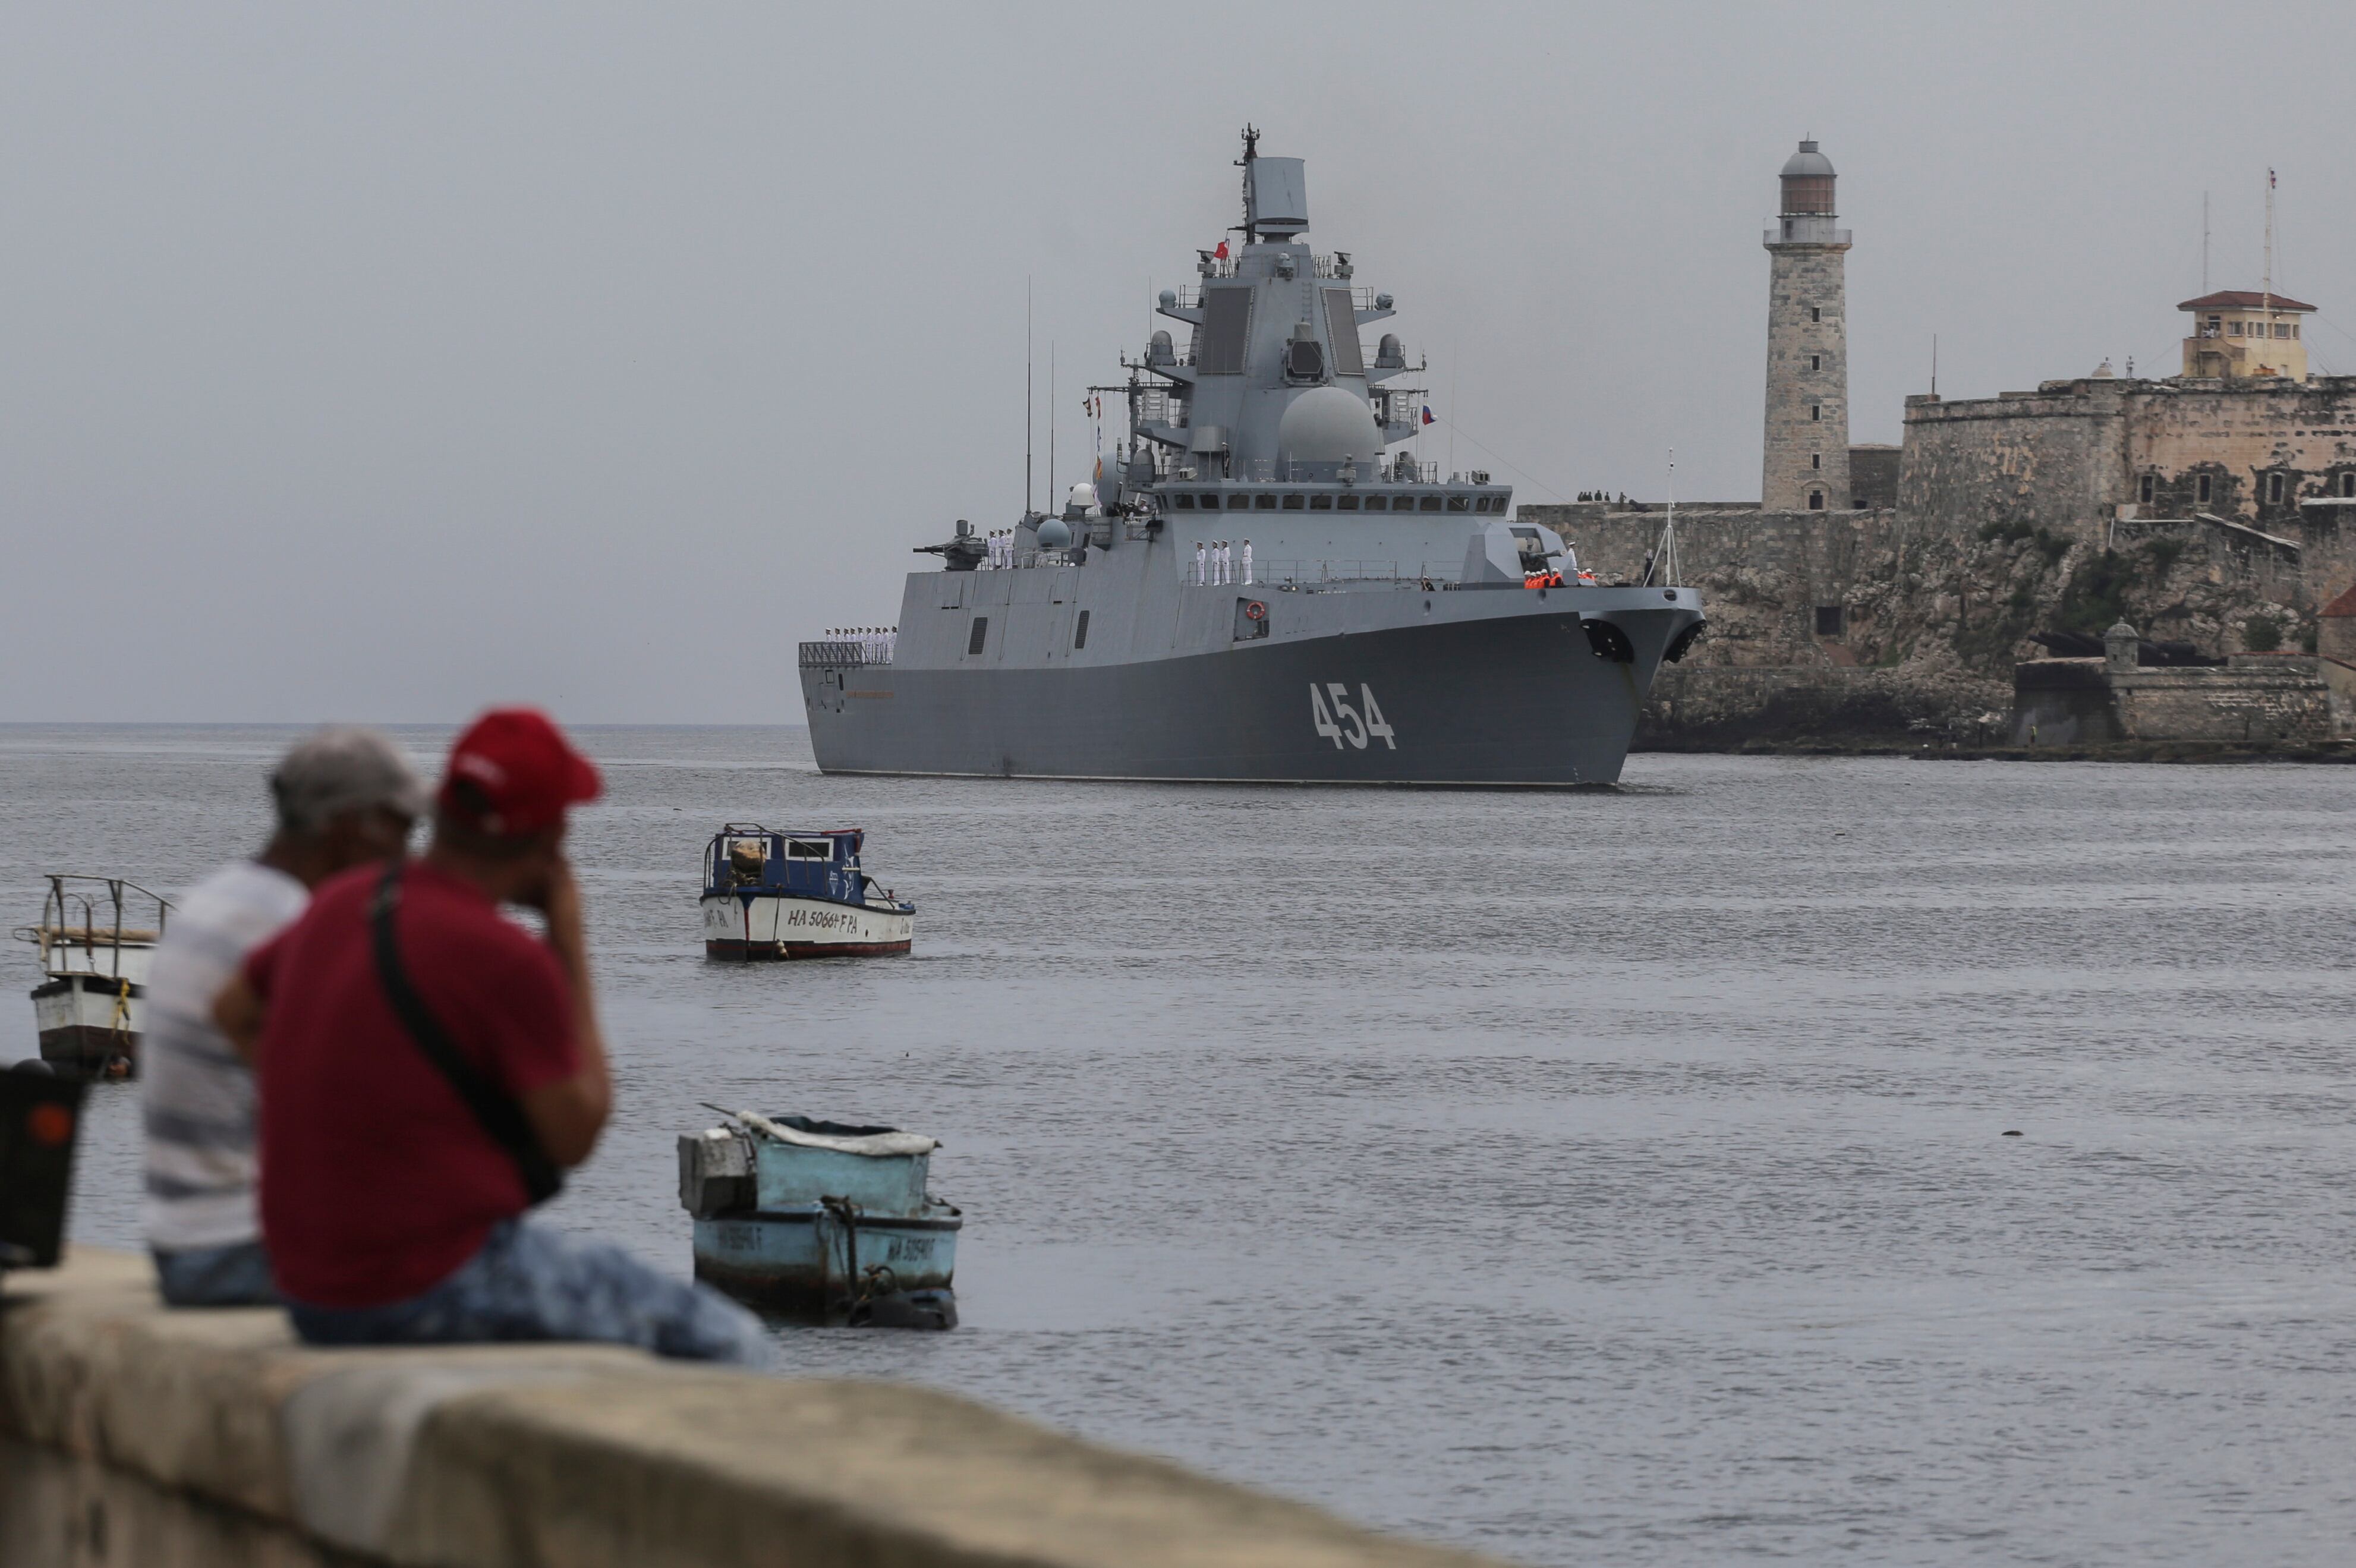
1608, 1178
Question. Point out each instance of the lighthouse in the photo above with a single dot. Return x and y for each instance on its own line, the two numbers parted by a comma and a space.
1807, 462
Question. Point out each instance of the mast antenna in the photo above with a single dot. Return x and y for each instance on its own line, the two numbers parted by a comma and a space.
1663, 557
2204, 241
1051, 424
1251, 151
2269, 284
1030, 398
1934, 364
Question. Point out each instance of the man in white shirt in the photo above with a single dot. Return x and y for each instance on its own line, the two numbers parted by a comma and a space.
345, 798
1246, 563
1199, 578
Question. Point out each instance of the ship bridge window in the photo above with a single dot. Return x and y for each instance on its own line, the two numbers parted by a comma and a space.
1238, 500
1430, 503
1186, 501
1265, 503
1295, 502
1378, 503
809, 848
1350, 503
1460, 503
1320, 503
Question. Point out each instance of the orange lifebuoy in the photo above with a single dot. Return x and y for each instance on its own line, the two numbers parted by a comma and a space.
1254, 610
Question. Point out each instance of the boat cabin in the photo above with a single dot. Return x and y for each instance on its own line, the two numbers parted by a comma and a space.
748, 857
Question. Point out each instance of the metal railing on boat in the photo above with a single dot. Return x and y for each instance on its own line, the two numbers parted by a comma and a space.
839, 651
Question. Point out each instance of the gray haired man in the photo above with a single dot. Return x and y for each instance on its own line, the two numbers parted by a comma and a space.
345, 798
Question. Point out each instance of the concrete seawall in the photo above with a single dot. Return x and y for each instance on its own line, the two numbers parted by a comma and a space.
131, 1436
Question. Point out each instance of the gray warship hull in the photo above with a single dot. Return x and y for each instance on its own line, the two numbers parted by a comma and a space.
1398, 627
1502, 688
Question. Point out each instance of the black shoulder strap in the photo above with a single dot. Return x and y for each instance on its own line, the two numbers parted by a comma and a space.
500, 1116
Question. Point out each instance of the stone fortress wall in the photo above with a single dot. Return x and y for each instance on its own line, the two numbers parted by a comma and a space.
2211, 512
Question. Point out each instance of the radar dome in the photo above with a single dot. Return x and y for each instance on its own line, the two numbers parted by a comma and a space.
1326, 425
1055, 534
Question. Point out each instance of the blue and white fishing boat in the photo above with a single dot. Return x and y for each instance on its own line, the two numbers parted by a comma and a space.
822, 1220
769, 894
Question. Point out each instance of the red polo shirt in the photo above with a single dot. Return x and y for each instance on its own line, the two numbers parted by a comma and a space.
376, 1180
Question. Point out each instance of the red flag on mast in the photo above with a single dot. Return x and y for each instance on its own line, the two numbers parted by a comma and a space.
1221, 253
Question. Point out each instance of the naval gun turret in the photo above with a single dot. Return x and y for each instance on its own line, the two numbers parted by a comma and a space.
962, 553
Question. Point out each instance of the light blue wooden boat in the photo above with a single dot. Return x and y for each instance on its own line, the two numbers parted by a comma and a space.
822, 1221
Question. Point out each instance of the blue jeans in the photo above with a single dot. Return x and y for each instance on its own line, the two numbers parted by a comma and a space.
531, 1281
234, 1275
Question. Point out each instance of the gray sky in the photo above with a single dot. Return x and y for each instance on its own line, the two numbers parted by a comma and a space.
386, 361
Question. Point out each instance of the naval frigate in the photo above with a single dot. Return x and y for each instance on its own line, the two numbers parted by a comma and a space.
1368, 621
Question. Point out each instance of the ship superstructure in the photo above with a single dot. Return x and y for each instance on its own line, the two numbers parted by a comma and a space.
1255, 586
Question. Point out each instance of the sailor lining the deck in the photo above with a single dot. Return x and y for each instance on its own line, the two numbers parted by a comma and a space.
1248, 571
1200, 580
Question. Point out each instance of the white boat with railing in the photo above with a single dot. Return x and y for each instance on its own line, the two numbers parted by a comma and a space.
773, 895
96, 937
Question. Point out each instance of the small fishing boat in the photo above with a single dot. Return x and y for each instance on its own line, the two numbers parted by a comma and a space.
797, 894
97, 935
822, 1221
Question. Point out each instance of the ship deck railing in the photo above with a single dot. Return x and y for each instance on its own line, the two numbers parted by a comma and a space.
1322, 574
1324, 268
839, 651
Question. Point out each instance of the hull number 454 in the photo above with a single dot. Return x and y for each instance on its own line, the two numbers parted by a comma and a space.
1365, 722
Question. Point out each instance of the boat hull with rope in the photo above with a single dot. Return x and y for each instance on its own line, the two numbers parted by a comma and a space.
1260, 581
822, 1221
96, 940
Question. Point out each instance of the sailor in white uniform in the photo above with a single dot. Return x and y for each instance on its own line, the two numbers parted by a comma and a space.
1199, 578
1227, 562
1247, 564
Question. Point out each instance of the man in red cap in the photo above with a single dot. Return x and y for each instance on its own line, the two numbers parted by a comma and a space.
427, 1068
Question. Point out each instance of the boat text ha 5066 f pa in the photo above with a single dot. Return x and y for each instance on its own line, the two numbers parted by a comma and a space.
1254, 588
797, 894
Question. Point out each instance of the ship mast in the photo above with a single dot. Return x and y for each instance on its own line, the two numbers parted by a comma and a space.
1251, 150
2269, 284
1030, 400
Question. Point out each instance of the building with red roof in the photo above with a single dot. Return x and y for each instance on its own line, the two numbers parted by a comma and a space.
2237, 335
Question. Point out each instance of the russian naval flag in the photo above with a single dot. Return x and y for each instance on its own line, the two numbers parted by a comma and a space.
1428, 418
